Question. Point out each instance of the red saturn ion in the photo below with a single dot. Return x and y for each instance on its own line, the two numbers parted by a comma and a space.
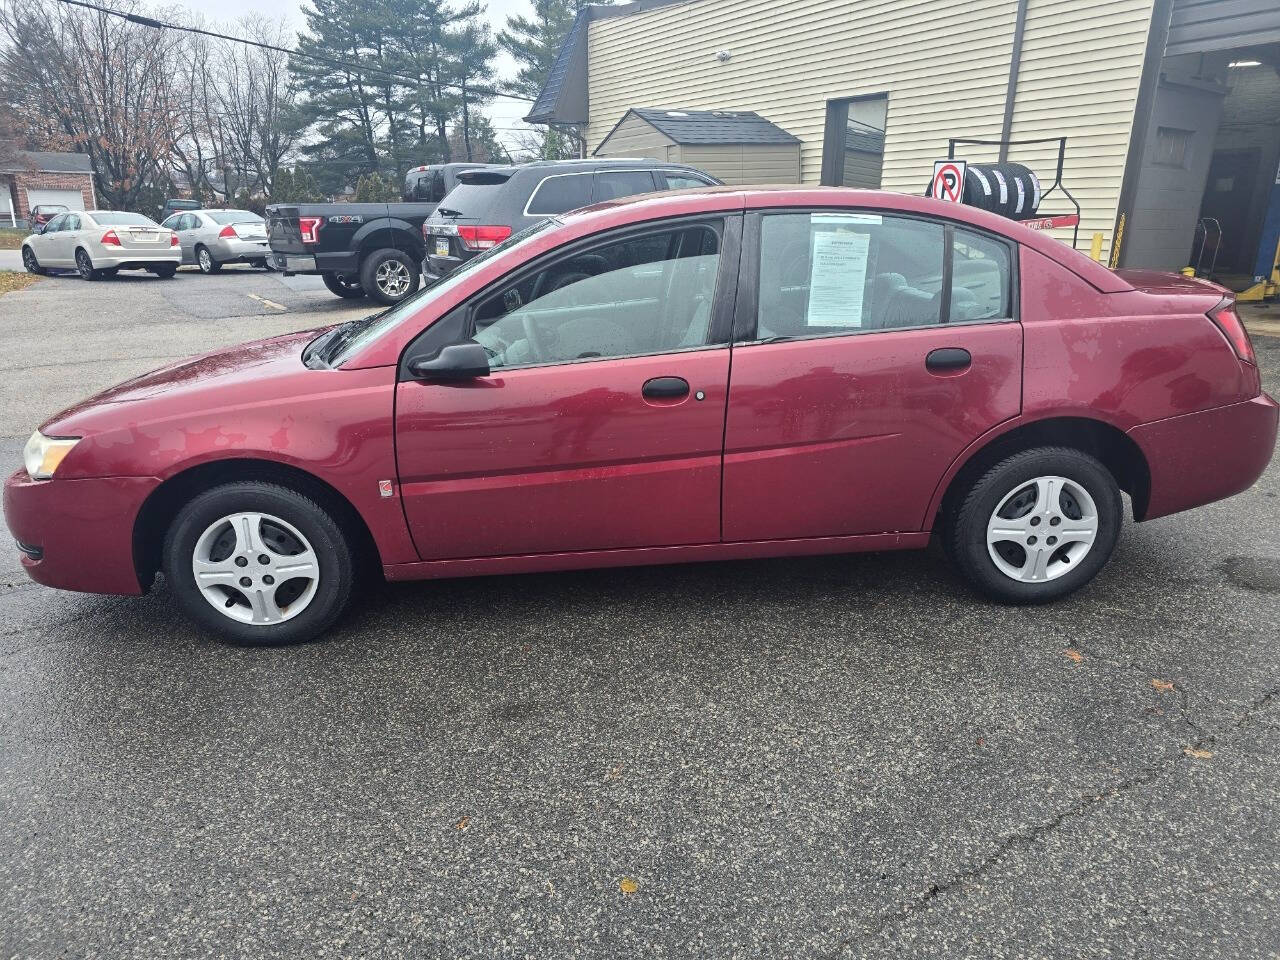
702, 375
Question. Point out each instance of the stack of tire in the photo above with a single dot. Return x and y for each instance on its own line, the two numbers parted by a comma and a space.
1009, 189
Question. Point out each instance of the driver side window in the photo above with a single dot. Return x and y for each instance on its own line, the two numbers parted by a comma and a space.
642, 295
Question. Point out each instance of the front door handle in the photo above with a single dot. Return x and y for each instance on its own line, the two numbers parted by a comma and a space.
665, 388
947, 360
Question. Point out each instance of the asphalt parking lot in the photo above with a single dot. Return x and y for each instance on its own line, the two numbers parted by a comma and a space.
847, 756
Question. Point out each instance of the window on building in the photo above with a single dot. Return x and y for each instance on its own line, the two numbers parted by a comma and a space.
1172, 147
853, 147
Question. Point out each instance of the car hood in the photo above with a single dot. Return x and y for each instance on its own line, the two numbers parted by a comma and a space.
212, 374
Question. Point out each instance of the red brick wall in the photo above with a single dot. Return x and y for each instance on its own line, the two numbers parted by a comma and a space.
51, 181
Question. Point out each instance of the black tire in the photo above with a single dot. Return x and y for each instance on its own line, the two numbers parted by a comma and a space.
389, 275
205, 260
334, 555
110, 272
340, 286
260, 264
165, 272
84, 265
965, 527
30, 262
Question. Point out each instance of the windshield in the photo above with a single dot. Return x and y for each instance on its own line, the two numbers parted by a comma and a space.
344, 341
233, 216
111, 218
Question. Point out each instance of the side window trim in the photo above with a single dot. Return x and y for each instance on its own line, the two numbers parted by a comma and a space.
588, 175
747, 310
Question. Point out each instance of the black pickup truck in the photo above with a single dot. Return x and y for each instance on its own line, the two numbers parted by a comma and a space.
360, 249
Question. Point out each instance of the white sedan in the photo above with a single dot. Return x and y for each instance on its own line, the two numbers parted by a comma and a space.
97, 243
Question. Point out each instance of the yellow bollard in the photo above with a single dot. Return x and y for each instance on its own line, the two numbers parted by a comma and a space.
1095, 248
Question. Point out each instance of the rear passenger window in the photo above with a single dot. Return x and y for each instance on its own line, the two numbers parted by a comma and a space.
559, 194
676, 181
622, 183
833, 273
980, 278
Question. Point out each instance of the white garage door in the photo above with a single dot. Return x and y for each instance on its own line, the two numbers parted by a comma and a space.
71, 199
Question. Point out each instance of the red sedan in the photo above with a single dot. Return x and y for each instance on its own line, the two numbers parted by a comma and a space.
693, 376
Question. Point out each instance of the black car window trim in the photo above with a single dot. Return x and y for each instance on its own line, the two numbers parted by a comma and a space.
746, 315
728, 227
588, 175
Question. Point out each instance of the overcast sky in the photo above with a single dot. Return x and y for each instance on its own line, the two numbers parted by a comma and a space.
503, 112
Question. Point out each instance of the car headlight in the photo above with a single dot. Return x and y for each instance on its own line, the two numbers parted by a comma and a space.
42, 454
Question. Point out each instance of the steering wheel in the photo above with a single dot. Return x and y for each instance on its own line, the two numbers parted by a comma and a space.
533, 335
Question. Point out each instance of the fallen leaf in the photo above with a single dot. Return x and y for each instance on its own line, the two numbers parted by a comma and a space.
628, 886
1197, 753
1074, 655
1164, 686
614, 772
463, 823
982, 742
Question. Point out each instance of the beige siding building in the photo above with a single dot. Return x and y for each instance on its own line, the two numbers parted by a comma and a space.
874, 89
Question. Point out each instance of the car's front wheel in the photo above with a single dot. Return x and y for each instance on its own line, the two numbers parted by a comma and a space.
389, 275
1035, 526
30, 262
259, 564
342, 286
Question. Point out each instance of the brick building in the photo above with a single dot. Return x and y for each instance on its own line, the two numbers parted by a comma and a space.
32, 177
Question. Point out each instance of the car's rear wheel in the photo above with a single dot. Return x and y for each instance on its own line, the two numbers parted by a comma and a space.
1035, 526
389, 275
84, 266
206, 262
259, 564
342, 286
30, 262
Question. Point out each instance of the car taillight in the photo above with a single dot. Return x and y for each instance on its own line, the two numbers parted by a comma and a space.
227, 233
109, 239
482, 238
1232, 327
309, 228
173, 239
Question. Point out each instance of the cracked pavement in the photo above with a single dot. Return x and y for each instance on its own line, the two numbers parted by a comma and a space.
835, 757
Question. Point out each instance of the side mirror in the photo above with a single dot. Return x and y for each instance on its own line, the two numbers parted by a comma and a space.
458, 361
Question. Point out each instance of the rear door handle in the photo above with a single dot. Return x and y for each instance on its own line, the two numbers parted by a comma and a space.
665, 388
946, 359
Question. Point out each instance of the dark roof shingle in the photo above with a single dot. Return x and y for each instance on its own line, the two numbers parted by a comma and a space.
714, 126
48, 162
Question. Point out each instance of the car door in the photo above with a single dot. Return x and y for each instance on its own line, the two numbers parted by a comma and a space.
612, 184
871, 350
45, 243
67, 238
189, 229
174, 223
600, 424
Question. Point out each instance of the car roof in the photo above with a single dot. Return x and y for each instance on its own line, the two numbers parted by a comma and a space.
587, 164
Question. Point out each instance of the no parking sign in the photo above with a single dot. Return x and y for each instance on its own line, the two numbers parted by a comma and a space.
948, 181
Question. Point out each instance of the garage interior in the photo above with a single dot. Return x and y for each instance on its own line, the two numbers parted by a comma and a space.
1207, 196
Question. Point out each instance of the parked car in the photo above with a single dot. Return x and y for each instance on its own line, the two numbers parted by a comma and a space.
212, 238
360, 249
176, 206
430, 183
42, 213
99, 243
488, 205
900, 367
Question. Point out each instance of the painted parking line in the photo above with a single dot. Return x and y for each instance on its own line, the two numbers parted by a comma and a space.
269, 303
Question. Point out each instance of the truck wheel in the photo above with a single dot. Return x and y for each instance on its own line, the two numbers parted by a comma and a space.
340, 286
389, 275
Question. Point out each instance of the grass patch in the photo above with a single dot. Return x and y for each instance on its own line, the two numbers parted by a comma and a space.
10, 281
11, 239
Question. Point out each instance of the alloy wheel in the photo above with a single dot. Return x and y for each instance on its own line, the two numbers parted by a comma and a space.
84, 265
29, 260
392, 278
255, 568
206, 261
1042, 529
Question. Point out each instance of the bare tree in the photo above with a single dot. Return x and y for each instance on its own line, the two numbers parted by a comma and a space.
257, 102
95, 83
